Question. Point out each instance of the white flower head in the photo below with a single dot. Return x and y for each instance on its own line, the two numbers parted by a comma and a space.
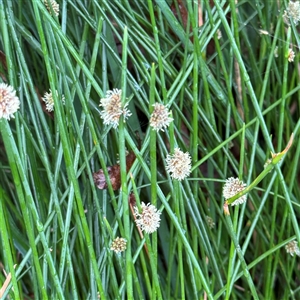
112, 108
292, 248
9, 102
49, 101
292, 13
54, 5
210, 222
160, 118
118, 245
232, 187
149, 219
291, 55
179, 164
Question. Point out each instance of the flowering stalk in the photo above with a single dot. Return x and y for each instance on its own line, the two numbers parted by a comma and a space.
276, 157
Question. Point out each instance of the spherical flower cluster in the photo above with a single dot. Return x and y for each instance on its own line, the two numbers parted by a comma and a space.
9, 102
210, 222
292, 248
54, 5
292, 13
112, 108
49, 101
160, 117
148, 220
291, 55
232, 187
118, 245
178, 164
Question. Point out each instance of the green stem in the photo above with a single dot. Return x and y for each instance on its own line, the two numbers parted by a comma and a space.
124, 188
7, 250
153, 169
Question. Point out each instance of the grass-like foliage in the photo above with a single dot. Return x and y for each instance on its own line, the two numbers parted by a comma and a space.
151, 107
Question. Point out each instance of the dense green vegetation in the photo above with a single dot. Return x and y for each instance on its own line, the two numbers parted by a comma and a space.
227, 72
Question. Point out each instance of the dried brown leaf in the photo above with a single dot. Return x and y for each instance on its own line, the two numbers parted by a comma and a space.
5, 285
113, 173
6, 282
182, 11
